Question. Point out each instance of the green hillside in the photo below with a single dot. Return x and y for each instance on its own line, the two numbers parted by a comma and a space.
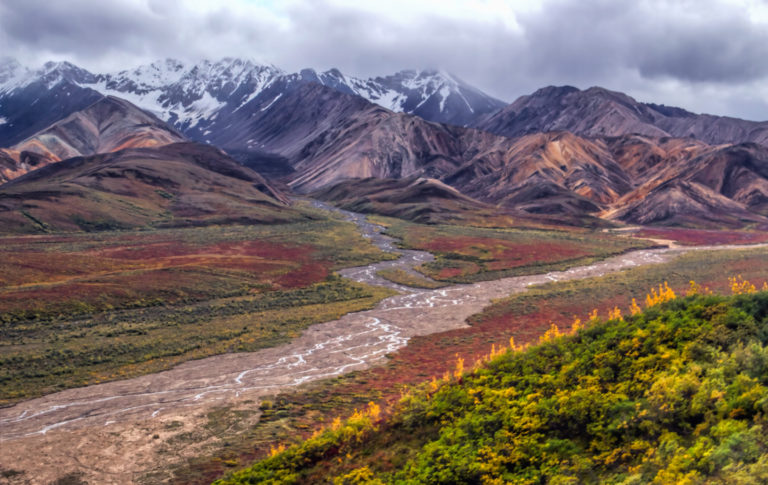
675, 394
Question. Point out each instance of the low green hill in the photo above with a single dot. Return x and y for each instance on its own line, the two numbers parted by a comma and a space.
676, 394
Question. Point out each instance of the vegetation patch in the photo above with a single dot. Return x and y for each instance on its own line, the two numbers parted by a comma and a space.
77, 310
406, 278
42, 357
54, 277
677, 393
469, 254
698, 237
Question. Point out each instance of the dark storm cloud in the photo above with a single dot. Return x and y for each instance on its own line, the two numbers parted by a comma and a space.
662, 49
81, 28
700, 41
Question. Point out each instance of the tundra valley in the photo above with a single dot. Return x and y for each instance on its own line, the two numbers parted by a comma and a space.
225, 272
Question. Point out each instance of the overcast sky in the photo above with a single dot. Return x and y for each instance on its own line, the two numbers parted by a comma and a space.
703, 55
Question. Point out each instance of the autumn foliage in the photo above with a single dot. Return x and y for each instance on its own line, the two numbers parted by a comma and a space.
676, 393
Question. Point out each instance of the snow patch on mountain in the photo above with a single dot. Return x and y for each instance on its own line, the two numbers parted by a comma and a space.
272, 102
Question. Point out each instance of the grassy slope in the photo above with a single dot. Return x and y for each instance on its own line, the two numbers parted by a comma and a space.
178, 185
76, 309
678, 394
467, 254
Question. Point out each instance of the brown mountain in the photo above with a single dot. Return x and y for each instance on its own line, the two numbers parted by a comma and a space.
173, 185
739, 172
359, 140
326, 136
414, 198
597, 112
721, 185
544, 173
643, 158
553, 174
108, 125
685, 203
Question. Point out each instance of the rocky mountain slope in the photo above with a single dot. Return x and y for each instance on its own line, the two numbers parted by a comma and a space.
110, 124
721, 186
33, 100
599, 112
545, 173
206, 99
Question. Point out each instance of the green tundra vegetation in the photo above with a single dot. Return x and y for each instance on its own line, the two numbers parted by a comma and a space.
675, 393
465, 254
406, 278
81, 309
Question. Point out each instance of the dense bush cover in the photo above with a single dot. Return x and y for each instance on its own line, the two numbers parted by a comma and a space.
677, 393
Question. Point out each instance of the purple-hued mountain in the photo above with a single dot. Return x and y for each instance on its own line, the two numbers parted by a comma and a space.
600, 112
559, 151
206, 98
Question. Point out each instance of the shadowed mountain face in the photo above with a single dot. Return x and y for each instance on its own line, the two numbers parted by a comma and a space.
327, 136
597, 112
110, 124
174, 185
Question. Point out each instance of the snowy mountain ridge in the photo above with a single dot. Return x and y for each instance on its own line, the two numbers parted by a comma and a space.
187, 94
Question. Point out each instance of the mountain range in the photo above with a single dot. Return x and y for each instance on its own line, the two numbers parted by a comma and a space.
203, 98
560, 152
114, 166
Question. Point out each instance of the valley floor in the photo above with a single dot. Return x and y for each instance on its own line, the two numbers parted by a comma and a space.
134, 430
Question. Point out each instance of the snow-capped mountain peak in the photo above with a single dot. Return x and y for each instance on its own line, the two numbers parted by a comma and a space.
435, 95
14, 76
53, 73
203, 98
187, 93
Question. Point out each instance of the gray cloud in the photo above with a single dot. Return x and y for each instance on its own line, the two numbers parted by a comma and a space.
705, 55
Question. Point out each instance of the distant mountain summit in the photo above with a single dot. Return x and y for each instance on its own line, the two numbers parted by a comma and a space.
31, 100
204, 99
599, 112
184, 93
430, 94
